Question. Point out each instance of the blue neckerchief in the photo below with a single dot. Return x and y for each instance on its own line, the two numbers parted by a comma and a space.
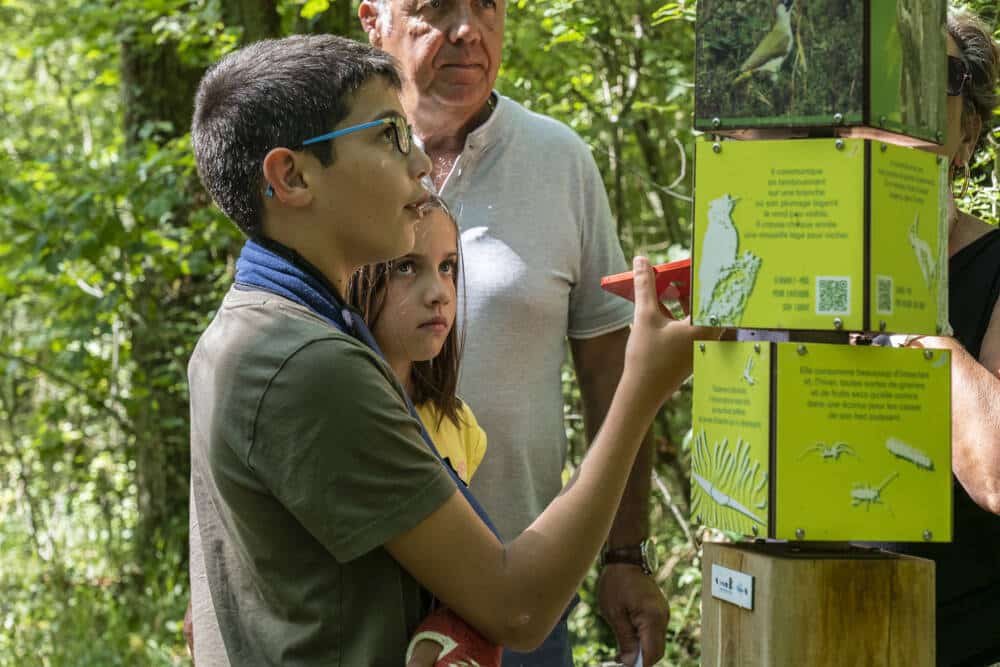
269, 266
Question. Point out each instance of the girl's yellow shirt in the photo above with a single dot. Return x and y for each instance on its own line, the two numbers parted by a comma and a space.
464, 446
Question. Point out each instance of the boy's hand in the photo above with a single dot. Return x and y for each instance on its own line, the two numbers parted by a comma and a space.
659, 355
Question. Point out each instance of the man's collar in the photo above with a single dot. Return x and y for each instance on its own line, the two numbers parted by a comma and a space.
489, 131
487, 134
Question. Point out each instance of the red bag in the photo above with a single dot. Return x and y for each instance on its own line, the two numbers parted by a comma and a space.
461, 644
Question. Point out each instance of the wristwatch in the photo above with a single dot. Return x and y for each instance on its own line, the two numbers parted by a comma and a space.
642, 554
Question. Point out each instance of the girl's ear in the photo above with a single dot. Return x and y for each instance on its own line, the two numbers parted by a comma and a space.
284, 181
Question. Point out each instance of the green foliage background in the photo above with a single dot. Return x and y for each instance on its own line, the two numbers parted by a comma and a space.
112, 261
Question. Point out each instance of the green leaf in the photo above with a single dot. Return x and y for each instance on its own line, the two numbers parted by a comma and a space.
313, 8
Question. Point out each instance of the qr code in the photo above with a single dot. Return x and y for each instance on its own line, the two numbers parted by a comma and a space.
883, 295
833, 295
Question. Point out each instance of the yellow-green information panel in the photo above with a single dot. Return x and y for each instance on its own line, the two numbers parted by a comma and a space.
828, 443
810, 233
862, 443
791, 64
909, 241
730, 459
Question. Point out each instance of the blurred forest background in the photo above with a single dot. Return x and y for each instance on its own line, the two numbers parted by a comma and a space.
112, 260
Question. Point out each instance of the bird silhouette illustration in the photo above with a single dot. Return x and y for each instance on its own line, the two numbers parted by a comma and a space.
922, 249
772, 51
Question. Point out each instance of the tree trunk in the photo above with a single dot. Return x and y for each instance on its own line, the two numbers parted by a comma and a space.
158, 89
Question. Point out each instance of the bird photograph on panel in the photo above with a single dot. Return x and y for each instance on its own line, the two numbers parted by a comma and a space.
779, 63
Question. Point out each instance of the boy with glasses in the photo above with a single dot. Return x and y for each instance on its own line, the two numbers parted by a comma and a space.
321, 514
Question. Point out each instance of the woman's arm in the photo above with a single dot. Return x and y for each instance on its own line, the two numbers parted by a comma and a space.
514, 594
975, 414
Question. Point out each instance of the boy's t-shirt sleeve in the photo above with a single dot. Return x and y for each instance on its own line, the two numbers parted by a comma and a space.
335, 444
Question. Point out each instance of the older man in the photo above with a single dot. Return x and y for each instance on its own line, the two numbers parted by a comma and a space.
537, 235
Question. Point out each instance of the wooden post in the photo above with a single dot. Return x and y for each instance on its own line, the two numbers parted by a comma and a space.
819, 605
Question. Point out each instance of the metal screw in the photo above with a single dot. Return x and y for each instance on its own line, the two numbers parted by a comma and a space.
754, 530
840, 144
713, 320
838, 118
716, 123
716, 147
928, 535
800, 533
756, 348
801, 350
884, 147
928, 355
701, 346
838, 323
882, 325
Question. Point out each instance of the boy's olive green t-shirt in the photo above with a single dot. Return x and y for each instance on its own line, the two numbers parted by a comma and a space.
304, 462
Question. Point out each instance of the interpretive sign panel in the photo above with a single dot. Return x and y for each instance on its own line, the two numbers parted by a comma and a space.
828, 443
798, 234
731, 424
909, 243
799, 64
862, 443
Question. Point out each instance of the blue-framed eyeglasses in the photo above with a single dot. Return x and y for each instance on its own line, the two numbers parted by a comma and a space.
402, 135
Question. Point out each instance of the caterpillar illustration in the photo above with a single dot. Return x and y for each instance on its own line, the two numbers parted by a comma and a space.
904, 451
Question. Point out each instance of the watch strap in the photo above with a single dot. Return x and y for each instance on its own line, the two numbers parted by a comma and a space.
630, 555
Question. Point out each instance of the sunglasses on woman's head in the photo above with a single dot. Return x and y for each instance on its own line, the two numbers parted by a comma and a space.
958, 74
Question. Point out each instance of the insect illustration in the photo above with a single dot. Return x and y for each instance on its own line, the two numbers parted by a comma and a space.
747, 370
869, 495
908, 453
831, 453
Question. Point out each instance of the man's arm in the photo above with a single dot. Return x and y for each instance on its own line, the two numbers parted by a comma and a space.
630, 601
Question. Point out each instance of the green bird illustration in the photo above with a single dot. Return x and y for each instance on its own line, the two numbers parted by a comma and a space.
770, 54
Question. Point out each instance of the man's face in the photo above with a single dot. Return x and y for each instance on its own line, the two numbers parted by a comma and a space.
371, 191
449, 51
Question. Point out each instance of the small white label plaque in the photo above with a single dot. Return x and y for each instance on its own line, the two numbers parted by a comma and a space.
732, 586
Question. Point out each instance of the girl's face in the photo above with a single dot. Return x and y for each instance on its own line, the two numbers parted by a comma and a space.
419, 307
